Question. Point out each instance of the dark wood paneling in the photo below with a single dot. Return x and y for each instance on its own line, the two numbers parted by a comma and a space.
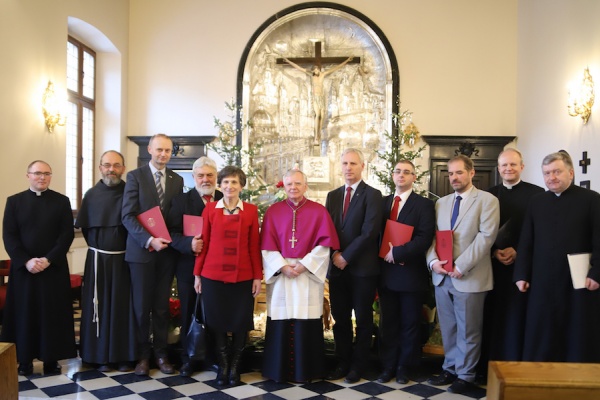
483, 150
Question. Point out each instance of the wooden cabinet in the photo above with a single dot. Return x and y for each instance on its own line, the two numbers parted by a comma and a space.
509, 380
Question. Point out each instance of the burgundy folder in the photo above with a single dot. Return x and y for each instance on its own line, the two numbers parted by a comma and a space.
395, 232
153, 221
443, 248
192, 225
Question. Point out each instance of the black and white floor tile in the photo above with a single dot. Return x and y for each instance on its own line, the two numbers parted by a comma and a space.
80, 382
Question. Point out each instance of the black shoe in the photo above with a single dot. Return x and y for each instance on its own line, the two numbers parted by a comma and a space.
385, 376
352, 377
52, 368
442, 379
187, 369
124, 366
459, 386
401, 376
25, 369
104, 368
338, 373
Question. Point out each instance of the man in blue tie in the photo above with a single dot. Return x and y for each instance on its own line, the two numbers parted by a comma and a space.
473, 216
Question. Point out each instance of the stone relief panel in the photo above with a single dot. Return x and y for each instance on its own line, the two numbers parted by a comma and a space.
316, 83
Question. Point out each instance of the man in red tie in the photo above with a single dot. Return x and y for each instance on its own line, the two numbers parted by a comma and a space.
355, 209
404, 278
204, 171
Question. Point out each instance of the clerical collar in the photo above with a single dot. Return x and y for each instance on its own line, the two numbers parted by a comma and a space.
37, 192
509, 186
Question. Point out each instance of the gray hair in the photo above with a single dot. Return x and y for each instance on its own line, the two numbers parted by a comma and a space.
291, 172
204, 162
356, 151
559, 156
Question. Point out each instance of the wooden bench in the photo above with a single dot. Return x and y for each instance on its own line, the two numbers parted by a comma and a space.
508, 380
9, 380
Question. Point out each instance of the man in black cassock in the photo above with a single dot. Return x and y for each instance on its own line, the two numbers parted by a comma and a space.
37, 233
107, 321
504, 313
562, 323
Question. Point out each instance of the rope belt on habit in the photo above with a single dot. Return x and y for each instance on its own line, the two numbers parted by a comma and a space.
96, 317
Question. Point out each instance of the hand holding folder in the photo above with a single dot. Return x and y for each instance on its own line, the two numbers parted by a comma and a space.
443, 248
192, 225
396, 233
153, 221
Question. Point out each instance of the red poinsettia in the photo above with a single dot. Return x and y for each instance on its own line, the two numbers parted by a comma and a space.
174, 308
279, 185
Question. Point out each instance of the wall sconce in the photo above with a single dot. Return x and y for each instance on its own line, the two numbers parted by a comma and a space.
581, 102
51, 108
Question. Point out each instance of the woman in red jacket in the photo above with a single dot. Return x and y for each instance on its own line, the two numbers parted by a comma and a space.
228, 271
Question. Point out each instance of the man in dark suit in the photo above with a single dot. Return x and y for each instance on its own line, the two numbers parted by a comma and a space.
404, 277
204, 171
355, 209
473, 216
151, 261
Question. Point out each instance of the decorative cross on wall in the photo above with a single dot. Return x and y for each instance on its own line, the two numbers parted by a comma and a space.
584, 162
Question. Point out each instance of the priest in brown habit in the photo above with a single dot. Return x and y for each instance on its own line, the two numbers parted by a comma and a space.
296, 239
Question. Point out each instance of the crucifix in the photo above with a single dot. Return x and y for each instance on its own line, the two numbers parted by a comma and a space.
318, 74
584, 162
293, 239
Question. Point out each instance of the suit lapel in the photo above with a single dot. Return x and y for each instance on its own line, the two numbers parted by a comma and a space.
406, 208
151, 184
360, 189
464, 207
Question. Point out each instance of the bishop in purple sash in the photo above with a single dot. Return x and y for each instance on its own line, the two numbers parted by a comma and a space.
297, 238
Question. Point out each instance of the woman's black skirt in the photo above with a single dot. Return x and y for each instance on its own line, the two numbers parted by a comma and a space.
229, 307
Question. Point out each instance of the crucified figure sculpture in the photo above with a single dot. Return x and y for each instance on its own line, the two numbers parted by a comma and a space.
318, 92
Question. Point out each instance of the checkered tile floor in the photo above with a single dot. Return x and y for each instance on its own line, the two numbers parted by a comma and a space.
79, 382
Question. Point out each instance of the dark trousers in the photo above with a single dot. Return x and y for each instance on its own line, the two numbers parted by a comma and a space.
400, 328
151, 289
187, 298
347, 293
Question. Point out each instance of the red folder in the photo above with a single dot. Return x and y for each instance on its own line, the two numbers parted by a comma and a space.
153, 221
443, 248
192, 225
395, 232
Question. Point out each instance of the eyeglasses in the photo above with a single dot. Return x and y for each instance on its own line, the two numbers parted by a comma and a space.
39, 174
107, 166
403, 172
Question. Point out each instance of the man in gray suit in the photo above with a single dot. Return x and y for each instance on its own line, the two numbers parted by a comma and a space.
473, 216
151, 259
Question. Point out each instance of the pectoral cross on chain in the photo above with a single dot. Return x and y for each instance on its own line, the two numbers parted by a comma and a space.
293, 239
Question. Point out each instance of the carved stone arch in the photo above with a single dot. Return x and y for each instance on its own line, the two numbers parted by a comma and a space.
359, 97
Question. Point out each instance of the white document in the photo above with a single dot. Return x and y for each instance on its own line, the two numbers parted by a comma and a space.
579, 264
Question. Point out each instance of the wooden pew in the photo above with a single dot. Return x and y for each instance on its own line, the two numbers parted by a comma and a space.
9, 380
508, 380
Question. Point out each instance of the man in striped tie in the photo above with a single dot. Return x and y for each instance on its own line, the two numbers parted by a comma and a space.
151, 259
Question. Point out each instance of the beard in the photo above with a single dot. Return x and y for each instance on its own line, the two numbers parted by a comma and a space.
111, 180
205, 190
